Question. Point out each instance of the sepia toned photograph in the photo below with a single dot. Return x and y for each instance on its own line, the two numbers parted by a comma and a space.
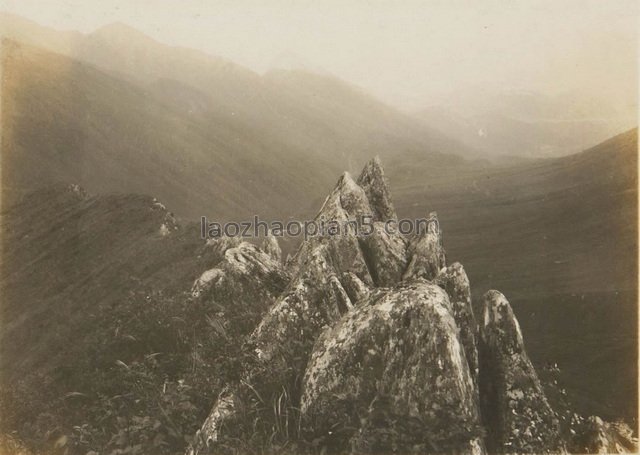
295, 227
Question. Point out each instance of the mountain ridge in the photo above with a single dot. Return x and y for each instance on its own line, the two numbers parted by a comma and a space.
312, 130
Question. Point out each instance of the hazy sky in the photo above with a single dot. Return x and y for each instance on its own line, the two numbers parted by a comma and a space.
408, 53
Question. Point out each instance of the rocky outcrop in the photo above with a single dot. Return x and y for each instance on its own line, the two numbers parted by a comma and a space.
212, 252
597, 436
454, 281
245, 273
242, 286
369, 344
373, 181
515, 408
315, 297
391, 376
425, 252
271, 246
385, 254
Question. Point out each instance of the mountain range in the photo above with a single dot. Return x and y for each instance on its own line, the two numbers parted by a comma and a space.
527, 124
221, 133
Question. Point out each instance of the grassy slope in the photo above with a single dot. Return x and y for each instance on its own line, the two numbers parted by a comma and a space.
66, 255
100, 342
67, 121
559, 238
118, 111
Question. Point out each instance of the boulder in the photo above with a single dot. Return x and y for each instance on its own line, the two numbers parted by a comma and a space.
391, 377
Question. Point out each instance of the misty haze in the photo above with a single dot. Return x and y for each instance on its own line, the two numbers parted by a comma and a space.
508, 325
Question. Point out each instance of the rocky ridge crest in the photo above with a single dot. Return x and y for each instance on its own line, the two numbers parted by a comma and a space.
373, 347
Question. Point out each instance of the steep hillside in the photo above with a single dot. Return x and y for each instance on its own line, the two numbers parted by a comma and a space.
99, 334
67, 255
104, 348
194, 119
66, 121
559, 238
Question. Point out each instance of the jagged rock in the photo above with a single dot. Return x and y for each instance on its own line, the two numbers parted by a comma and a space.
212, 252
347, 203
515, 409
281, 345
246, 275
368, 355
356, 289
373, 182
454, 281
271, 246
391, 376
284, 338
598, 436
425, 251
385, 254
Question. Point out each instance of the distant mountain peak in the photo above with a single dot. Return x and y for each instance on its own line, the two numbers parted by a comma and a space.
120, 31
290, 61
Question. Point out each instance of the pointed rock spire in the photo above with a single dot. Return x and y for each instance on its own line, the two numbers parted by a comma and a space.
385, 254
425, 251
374, 183
347, 201
271, 246
518, 416
454, 281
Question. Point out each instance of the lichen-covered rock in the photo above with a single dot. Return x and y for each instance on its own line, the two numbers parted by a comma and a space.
374, 184
369, 345
245, 274
356, 289
385, 254
241, 288
212, 252
391, 376
425, 252
515, 409
271, 246
347, 203
314, 298
454, 281
594, 435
